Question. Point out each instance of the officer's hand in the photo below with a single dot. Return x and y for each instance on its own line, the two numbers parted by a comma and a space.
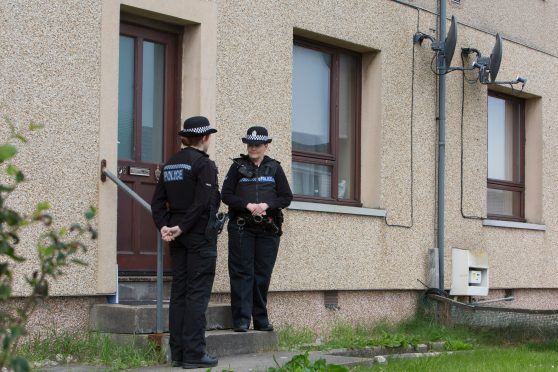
263, 207
251, 207
165, 233
174, 232
260, 209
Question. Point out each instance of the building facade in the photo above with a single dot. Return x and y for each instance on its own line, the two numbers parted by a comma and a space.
351, 104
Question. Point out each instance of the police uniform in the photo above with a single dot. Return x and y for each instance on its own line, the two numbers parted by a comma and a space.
253, 240
187, 196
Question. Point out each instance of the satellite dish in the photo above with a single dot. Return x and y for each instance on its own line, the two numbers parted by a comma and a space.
495, 58
451, 40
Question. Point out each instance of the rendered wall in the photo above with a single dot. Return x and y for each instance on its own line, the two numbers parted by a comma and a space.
59, 67
336, 251
50, 74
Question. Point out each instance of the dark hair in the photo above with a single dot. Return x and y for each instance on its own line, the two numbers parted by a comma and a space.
191, 141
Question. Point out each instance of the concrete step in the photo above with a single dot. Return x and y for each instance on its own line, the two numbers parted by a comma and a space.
219, 342
142, 318
227, 342
141, 288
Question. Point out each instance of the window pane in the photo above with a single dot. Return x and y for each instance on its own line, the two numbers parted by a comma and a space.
311, 96
312, 179
152, 102
346, 161
126, 98
502, 202
503, 146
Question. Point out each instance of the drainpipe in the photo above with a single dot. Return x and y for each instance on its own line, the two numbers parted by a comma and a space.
441, 143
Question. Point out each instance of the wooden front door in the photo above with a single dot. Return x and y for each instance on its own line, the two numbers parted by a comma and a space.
147, 126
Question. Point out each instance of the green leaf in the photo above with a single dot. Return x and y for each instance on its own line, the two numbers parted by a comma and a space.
19, 364
90, 213
46, 251
11, 170
4, 188
63, 231
79, 262
41, 288
94, 234
17, 330
43, 206
21, 138
7, 151
35, 126
12, 218
5, 269
5, 292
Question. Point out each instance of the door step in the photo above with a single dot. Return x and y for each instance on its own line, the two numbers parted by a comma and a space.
142, 318
141, 288
135, 323
220, 343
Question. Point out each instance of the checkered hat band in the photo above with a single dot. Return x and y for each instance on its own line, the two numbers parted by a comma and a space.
198, 129
257, 137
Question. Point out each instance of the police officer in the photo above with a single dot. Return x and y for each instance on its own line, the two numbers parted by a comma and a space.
255, 189
183, 209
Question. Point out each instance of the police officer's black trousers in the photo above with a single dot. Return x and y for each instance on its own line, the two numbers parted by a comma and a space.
193, 270
252, 255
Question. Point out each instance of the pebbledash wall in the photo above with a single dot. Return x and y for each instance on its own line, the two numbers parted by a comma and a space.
59, 66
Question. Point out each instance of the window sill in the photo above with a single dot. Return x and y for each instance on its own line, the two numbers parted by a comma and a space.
332, 208
514, 225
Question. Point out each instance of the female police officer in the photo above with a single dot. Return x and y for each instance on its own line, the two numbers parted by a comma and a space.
183, 208
255, 190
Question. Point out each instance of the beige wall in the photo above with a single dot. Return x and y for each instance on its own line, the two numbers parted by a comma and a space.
60, 68
50, 73
237, 64
335, 251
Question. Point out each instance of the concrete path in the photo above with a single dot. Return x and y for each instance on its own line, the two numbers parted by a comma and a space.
237, 363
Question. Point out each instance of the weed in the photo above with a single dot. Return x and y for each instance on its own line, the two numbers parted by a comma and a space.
457, 345
302, 363
291, 338
90, 348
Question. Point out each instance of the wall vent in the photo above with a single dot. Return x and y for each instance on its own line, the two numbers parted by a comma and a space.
331, 300
458, 2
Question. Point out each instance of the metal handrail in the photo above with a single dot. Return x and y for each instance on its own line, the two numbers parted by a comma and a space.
106, 173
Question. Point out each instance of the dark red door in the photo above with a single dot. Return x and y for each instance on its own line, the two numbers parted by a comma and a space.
147, 126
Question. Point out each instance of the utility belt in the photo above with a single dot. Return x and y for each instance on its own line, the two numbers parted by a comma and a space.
271, 223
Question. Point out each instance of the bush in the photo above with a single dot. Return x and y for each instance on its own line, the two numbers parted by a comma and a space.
55, 248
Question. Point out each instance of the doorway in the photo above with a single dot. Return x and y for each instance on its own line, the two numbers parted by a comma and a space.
147, 126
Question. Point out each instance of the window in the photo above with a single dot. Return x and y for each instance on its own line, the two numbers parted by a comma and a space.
506, 158
326, 123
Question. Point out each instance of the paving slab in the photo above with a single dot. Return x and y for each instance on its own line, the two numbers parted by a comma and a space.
262, 361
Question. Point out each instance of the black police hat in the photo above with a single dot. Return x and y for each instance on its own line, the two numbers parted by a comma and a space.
256, 136
196, 126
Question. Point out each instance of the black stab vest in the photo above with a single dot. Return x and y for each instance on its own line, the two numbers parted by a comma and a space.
260, 188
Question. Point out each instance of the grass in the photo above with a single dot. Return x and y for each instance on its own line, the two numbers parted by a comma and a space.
291, 338
494, 349
486, 359
409, 333
88, 348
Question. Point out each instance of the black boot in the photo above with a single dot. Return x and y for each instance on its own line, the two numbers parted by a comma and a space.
205, 361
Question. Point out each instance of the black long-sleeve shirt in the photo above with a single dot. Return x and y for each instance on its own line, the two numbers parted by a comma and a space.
238, 203
187, 191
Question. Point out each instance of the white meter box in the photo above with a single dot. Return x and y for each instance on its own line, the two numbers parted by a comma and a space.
469, 276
